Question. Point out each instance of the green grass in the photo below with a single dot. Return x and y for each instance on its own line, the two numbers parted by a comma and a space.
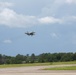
60, 63
62, 68
23, 65
36, 64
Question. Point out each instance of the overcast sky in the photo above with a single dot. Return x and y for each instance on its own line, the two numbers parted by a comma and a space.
53, 21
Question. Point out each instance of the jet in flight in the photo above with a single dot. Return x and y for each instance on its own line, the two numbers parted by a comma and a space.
30, 33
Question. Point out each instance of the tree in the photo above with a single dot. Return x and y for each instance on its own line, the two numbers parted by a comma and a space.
43, 58
32, 58
1, 59
67, 57
19, 59
27, 58
74, 56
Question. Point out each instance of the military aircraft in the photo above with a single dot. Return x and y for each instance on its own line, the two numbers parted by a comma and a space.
30, 33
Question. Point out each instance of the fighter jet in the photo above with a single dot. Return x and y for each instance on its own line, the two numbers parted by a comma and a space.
30, 33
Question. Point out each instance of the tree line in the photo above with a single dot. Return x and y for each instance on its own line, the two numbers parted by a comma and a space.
42, 58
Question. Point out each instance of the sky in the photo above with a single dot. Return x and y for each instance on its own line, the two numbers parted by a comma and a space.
53, 21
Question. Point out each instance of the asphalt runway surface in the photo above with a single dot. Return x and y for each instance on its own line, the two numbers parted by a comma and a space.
36, 70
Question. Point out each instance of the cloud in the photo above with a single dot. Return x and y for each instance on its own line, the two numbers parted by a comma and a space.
52, 8
47, 20
10, 18
59, 8
5, 4
7, 41
71, 1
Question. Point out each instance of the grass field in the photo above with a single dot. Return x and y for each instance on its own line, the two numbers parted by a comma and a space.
36, 64
62, 68
60, 63
23, 65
